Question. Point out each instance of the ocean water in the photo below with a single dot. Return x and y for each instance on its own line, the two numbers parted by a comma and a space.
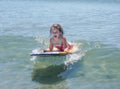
24, 26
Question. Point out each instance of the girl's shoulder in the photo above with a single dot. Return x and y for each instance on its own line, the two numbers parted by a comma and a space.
64, 38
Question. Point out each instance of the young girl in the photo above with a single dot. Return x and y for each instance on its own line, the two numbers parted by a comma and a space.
57, 41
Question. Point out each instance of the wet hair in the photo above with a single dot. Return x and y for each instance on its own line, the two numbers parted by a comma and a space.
58, 27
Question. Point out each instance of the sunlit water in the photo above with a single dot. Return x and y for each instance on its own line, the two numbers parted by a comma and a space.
24, 26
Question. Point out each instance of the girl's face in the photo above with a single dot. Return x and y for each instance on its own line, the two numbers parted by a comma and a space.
55, 33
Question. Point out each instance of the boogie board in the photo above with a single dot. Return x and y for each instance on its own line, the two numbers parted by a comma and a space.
37, 53
49, 54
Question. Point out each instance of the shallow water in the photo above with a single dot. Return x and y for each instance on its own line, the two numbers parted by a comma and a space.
24, 26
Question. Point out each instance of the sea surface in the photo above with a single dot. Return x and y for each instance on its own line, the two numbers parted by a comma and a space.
25, 25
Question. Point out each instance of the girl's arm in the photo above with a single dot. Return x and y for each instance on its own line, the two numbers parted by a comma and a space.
67, 47
51, 45
64, 43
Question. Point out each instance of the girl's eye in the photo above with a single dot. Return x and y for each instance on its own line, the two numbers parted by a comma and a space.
55, 32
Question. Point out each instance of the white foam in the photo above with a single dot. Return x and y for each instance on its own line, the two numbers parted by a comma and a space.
72, 58
77, 54
33, 59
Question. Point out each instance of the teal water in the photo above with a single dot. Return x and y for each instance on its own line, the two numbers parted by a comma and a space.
24, 26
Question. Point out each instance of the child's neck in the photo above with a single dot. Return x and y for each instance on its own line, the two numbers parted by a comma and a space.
57, 39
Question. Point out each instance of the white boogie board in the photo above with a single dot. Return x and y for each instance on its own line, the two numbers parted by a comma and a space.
49, 53
37, 53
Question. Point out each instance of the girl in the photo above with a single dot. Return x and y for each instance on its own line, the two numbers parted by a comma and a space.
57, 41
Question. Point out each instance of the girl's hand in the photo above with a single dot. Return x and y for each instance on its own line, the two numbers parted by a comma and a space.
66, 50
40, 51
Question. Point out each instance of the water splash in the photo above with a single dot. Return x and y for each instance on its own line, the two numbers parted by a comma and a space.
79, 51
77, 54
43, 41
33, 59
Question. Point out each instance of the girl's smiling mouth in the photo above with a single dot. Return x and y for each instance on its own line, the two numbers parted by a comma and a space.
55, 36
